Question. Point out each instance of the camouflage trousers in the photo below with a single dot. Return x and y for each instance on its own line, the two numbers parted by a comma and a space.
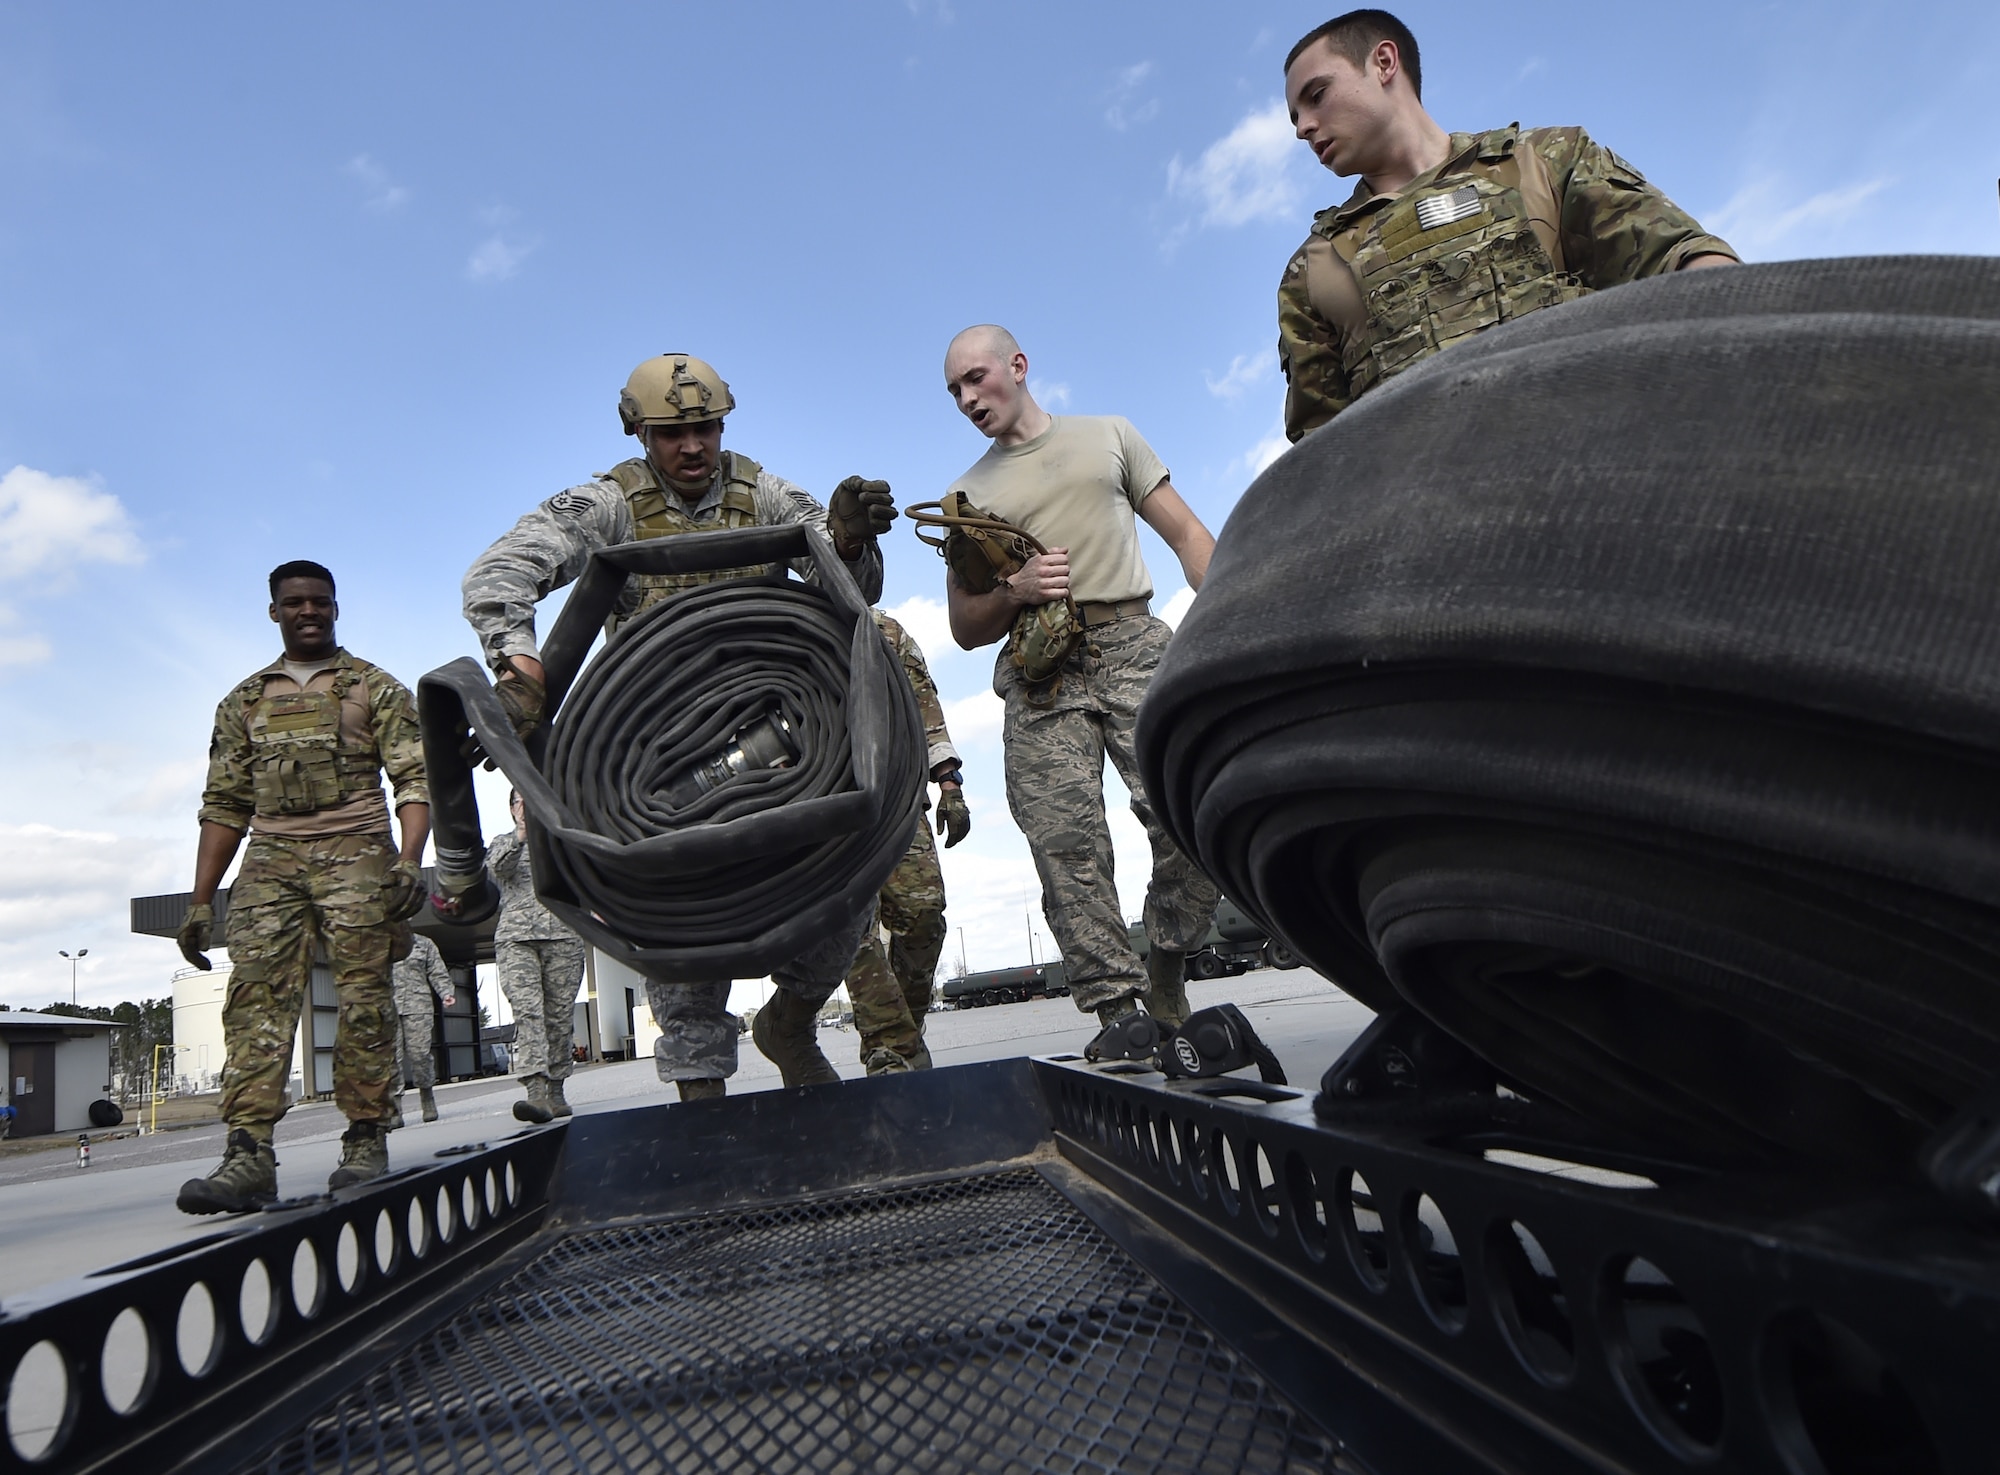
890, 987
291, 899
698, 1034
540, 977
1055, 747
415, 1064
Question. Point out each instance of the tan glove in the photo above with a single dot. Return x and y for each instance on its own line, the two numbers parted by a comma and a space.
197, 936
860, 510
403, 891
954, 820
522, 697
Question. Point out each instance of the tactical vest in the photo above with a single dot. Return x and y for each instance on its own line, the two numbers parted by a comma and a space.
1478, 244
298, 762
659, 512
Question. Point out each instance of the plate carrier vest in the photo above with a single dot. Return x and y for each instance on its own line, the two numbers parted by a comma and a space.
298, 762
659, 512
1479, 243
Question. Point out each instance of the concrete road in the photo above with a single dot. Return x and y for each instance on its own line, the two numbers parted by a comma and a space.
59, 1221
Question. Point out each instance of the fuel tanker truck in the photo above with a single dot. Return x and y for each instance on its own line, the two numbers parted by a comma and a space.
1610, 702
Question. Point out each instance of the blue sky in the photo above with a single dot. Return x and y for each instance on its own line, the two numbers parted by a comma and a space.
361, 283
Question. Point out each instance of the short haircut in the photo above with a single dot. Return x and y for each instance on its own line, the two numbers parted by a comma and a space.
996, 337
299, 568
1359, 32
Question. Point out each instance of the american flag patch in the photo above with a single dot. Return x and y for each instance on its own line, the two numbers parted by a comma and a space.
1440, 210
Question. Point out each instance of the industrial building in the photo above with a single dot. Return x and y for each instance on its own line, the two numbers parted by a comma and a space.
53, 1067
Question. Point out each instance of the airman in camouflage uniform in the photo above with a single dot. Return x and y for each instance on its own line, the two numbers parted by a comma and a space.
416, 980
683, 483
1446, 234
1079, 484
890, 987
295, 760
540, 963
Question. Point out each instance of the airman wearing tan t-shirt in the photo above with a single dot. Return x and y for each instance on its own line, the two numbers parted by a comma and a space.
1079, 484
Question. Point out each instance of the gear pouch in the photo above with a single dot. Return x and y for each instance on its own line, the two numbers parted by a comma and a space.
1044, 636
981, 557
297, 782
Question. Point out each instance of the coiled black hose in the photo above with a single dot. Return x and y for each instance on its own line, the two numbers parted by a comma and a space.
1621, 689
741, 879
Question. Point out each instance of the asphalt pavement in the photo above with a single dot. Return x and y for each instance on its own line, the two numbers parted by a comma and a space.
58, 1221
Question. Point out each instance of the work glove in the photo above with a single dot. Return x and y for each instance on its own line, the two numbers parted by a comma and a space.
522, 699
403, 891
954, 818
197, 936
860, 510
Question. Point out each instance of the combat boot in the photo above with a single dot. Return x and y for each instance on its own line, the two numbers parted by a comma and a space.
786, 1031
882, 1061
430, 1101
711, 1089
364, 1155
1129, 1033
1166, 986
537, 1108
247, 1178
556, 1103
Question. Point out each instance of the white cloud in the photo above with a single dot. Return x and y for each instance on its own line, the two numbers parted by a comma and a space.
1049, 396
929, 624
1531, 67
497, 258
1244, 176
1245, 371
974, 720
1177, 605
1760, 220
1124, 108
1253, 461
69, 888
20, 649
380, 192
50, 523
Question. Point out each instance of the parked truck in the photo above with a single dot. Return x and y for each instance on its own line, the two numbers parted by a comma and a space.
1234, 945
1006, 986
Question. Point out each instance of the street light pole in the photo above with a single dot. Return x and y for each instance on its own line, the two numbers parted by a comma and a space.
81, 953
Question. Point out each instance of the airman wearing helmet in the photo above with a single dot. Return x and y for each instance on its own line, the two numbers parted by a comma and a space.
683, 481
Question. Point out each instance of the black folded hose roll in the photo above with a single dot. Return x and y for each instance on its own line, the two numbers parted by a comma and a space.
656, 825
1621, 689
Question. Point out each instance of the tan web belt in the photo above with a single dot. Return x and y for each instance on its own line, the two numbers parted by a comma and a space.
1099, 612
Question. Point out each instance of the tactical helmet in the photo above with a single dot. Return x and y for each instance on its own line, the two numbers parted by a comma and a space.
673, 389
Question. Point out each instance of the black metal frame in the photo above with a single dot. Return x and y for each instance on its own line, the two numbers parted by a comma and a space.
1245, 1176
1239, 1201
186, 1419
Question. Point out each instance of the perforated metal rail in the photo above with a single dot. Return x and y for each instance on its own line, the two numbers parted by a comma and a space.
1554, 1322
978, 1324
146, 1364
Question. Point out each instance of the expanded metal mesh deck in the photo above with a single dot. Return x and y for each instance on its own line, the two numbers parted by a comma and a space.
979, 1324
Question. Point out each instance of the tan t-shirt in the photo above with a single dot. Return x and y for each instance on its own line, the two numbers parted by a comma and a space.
1077, 485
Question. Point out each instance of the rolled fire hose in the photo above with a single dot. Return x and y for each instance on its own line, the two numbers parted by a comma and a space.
1620, 689
733, 776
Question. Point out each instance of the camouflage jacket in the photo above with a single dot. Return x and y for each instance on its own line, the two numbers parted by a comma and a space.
422, 970
230, 795
1614, 228
523, 918
550, 546
941, 753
